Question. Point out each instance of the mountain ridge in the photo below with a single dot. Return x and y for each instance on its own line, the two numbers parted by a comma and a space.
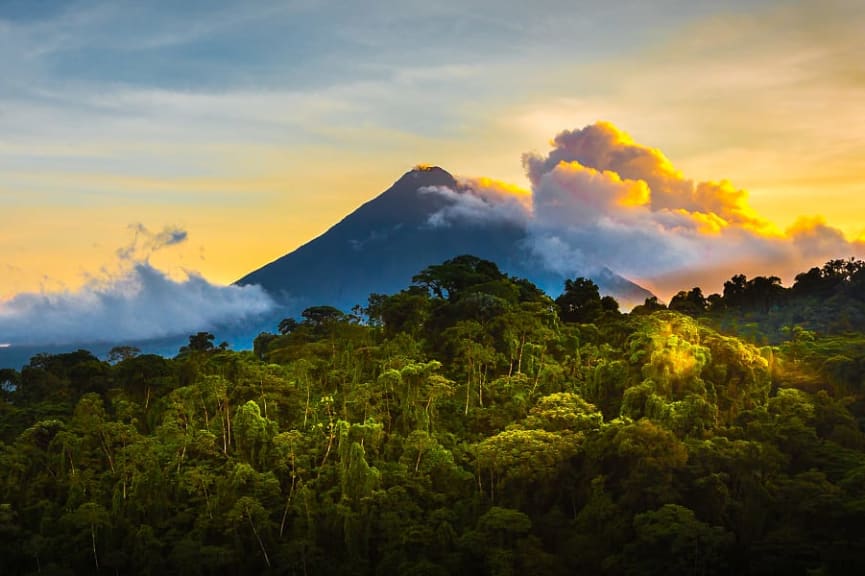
381, 245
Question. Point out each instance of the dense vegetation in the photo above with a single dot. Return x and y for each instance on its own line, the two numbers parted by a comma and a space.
466, 425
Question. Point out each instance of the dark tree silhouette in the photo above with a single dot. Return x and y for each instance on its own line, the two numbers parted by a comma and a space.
580, 302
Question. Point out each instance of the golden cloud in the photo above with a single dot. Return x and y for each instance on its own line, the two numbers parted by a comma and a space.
601, 199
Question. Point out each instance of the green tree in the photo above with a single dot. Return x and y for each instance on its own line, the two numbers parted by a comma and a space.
580, 301
670, 540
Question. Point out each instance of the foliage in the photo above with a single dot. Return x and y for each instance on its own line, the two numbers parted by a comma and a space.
467, 425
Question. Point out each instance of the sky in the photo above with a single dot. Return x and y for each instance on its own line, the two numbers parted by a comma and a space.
184, 144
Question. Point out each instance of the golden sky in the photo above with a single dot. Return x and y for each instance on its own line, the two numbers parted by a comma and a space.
256, 129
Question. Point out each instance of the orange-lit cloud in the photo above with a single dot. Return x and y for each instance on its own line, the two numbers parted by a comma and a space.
482, 200
605, 148
599, 199
814, 238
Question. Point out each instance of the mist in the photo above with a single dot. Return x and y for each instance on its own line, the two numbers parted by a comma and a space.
137, 301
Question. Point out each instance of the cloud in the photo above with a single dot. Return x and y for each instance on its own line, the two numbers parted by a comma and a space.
144, 242
138, 302
604, 148
599, 199
813, 237
481, 200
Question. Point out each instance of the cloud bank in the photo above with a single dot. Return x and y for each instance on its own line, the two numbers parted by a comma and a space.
138, 302
599, 199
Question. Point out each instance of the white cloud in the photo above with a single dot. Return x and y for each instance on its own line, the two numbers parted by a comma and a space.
142, 304
138, 302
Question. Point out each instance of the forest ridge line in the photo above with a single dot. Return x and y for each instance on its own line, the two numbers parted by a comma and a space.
466, 424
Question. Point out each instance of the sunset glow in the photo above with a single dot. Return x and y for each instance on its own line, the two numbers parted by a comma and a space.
748, 122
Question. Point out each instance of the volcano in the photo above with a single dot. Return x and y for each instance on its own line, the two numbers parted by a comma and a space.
386, 241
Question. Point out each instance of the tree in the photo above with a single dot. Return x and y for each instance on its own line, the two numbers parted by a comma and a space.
650, 305
564, 411
405, 312
692, 302
471, 353
200, 342
449, 279
262, 343
252, 433
610, 305
580, 302
287, 326
143, 377
759, 293
516, 462
91, 516
496, 537
321, 316
670, 540
120, 353
250, 511
735, 290
9, 380
639, 460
